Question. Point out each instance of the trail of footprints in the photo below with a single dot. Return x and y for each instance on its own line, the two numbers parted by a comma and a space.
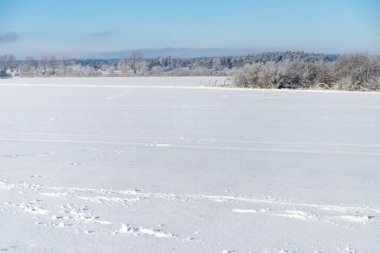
55, 207
80, 218
67, 215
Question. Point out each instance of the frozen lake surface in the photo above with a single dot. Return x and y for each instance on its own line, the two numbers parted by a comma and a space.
164, 165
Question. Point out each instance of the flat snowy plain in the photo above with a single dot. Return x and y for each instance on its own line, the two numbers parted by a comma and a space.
163, 165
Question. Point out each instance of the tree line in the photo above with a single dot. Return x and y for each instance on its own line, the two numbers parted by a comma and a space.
263, 70
136, 65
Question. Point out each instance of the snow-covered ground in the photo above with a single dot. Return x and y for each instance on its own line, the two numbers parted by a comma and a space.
163, 165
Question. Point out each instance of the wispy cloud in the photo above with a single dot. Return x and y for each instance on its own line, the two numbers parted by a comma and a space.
101, 34
9, 37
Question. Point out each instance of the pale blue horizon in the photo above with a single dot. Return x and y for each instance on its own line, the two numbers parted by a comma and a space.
76, 28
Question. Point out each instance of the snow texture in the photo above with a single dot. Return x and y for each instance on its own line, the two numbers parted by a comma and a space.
165, 165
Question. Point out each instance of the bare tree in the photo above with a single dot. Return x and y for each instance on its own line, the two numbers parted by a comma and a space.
53, 64
133, 65
7, 64
123, 66
27, 68
136, 62
63, 65
43, 66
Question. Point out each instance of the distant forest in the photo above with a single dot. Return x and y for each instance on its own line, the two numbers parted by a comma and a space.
292, 70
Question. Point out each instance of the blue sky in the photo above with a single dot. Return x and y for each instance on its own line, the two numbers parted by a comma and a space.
76, 28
